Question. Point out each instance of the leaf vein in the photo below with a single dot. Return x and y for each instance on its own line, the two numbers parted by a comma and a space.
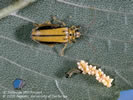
57, 85
123, 78
94, 8
20, 66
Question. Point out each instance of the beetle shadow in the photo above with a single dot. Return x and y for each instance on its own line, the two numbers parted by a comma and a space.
67, 65
23, 34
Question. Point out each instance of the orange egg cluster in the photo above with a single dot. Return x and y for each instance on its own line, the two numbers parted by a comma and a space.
99, 74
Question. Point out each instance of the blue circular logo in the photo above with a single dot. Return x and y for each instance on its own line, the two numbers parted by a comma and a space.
18, 83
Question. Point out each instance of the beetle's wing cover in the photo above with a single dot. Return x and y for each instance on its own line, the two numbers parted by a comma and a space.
57, 35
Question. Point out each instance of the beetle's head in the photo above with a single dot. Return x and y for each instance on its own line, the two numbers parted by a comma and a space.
77, 34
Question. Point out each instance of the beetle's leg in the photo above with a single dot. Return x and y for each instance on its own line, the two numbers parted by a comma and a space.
72, 71
62, 51
74, 40
78, 27
47, 22
51, 45
35, 24
58, 21
73, 27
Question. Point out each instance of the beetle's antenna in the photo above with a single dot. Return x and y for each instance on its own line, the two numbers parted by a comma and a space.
93, 21
85, 37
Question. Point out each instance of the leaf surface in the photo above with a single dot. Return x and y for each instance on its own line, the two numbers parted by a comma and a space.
107, 43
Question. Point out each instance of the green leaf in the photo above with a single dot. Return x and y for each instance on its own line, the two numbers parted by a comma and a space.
107, 43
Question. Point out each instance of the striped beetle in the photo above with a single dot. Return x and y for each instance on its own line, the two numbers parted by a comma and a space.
51, 33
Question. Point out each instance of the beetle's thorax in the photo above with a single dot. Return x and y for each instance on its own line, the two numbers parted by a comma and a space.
71, 36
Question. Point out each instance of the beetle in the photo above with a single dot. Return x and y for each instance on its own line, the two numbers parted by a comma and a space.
55, 31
